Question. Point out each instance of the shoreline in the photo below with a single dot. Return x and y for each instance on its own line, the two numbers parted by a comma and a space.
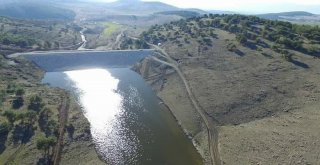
143, 68
176, 99
186, 132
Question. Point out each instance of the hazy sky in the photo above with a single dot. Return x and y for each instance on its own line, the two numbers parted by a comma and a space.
248, 6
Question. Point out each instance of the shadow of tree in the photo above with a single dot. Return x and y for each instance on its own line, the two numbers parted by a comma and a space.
251, 45
22, 133
215, 36
3, 139
44, 161
239, 52
315, 54
300, 64
267, 55
17, 103
263, 44
43, 124
70, 130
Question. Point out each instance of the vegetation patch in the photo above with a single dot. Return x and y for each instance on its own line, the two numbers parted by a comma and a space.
29, 119
25, 112
250, 31
110, 28
29, 35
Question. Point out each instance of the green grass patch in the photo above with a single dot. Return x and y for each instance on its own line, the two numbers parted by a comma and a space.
110, 28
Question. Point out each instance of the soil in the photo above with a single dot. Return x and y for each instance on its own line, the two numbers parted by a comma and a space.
266, 108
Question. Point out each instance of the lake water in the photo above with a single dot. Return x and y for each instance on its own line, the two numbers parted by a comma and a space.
128, 124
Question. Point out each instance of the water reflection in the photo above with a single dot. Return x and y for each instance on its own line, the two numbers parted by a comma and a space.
127, 123
102, 104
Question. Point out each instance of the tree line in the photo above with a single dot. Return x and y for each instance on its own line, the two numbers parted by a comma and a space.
249, 30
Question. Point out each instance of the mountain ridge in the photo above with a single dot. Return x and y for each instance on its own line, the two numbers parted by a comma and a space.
299, 17
35, 9
286, 14
138, 6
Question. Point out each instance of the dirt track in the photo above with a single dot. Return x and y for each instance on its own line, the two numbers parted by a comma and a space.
63, 119
211, 128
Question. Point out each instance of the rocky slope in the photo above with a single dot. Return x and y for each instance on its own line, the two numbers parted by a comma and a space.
265, 105
19, 144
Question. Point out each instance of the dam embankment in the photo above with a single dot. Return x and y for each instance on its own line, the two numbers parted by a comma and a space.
75, 60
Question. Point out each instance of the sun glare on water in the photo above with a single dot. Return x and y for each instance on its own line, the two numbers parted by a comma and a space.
97, 95
102, 106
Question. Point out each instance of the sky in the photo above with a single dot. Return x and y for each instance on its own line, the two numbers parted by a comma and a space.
246, 6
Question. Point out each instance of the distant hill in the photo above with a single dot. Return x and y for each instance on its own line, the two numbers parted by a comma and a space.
221, 12
286, 14
136, 12
202, 12
300, 17
137, 6
35, 10
182, 13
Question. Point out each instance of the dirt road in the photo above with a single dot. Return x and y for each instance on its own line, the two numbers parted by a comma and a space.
211, 128
63, 119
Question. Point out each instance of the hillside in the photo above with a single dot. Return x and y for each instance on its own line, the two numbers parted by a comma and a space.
30, 112
30, 116
255, 79
130, 12
26, 35
35, 10
250, 31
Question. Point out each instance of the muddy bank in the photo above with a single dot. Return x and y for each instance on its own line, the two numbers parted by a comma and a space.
78, 145
165, 82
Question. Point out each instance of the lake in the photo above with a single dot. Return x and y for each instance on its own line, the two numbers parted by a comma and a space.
129, 124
